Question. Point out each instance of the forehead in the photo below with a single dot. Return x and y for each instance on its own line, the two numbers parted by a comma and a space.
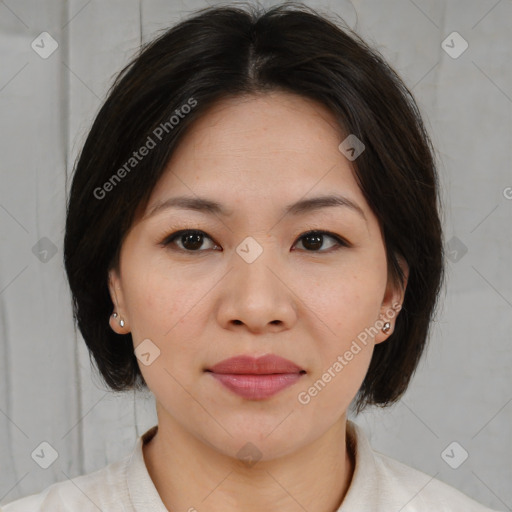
263, 126
276, 146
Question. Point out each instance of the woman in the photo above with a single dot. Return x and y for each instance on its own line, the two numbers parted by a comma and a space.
253, 234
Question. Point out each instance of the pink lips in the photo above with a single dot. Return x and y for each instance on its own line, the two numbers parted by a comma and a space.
256, 378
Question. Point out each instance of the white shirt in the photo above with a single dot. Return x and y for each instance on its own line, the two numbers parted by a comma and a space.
379, 484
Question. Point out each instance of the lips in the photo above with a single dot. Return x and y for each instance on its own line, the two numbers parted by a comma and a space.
256, 378
265, 365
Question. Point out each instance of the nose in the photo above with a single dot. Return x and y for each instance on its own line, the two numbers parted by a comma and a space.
257, 296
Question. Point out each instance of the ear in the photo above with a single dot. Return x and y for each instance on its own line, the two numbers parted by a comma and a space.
116, 294
392, 302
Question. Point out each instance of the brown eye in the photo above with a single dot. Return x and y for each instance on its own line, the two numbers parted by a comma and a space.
190, 240
314, 240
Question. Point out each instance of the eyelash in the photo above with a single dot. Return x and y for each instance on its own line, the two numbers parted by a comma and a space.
168, 240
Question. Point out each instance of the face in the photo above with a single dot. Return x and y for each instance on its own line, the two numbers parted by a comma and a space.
252, 281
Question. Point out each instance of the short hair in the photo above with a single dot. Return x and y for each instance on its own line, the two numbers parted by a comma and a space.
225, 52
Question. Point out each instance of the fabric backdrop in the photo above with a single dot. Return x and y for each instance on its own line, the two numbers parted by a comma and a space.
462, 391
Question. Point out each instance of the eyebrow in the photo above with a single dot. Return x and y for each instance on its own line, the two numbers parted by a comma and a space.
210, 206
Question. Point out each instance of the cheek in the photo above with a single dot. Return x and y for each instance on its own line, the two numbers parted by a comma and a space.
154, 294
163, 307
149, 298
346, 305
346, 298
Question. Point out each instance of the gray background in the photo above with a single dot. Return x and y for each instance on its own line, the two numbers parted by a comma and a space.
462, 390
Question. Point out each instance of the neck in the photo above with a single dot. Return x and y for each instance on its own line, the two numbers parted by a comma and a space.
191, 475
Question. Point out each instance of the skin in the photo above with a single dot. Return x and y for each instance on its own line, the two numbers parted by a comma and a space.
254, 155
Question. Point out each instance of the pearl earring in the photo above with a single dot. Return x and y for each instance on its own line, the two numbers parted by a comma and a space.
121, 321
386, 327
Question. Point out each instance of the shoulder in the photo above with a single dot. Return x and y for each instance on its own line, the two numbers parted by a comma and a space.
104, 489
381, 483
422, 492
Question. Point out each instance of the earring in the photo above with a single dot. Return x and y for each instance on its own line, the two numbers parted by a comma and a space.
121, 321
386, 327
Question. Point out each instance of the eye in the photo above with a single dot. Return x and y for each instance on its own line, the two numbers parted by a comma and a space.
315, 239
191, 240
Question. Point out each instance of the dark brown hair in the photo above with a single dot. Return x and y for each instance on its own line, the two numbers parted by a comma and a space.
223, 52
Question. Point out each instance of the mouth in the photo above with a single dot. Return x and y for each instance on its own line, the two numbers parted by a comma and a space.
256, 378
